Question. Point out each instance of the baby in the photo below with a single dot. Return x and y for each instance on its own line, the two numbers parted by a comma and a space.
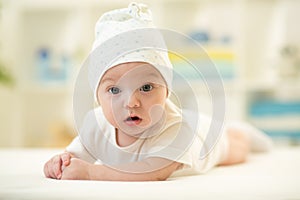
137, 133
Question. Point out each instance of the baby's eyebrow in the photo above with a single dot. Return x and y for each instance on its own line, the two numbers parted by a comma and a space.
155, 75
107, 79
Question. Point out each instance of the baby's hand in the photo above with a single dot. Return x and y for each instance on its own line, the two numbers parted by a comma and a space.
54, 167
77, 170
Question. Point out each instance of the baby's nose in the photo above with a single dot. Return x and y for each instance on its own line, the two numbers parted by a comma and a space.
132, 101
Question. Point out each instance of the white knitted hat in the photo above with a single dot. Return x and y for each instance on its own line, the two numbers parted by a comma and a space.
127, 35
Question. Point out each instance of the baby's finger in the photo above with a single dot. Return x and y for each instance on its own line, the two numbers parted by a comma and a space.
66, 157
46, 170
63, 167
56, 166
50, 171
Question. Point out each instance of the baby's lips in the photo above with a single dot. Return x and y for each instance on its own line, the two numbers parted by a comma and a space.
132, 118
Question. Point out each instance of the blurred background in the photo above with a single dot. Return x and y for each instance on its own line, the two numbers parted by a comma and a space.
255, 45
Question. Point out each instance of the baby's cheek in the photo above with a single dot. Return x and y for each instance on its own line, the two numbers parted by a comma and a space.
156, 113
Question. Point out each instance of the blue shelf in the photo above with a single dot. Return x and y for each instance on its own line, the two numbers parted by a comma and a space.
294, 135
264, 108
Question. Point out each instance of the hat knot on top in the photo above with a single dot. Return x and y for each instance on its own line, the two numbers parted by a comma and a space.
117, 21
140, 11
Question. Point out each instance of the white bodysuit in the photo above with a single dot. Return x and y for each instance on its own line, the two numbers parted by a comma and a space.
172, 139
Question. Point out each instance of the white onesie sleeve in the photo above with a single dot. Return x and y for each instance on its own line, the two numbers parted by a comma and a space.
79, 151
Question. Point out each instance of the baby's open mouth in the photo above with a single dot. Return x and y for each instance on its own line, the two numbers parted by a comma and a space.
133, 120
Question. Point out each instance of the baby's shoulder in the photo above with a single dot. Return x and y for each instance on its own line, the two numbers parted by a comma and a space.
94, 120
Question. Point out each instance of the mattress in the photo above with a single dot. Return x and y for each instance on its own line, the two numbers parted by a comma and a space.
273, 175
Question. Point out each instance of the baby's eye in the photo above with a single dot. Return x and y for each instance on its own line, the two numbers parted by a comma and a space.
146, 88
114, 90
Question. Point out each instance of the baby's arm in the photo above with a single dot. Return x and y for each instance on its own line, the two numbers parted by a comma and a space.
151, 169
54, 167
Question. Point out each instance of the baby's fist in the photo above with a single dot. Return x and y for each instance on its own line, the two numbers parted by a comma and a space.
54, 167
76, 170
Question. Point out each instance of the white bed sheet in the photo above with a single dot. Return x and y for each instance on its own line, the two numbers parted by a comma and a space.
274, 175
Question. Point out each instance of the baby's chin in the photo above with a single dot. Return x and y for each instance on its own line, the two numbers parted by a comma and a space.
135, 131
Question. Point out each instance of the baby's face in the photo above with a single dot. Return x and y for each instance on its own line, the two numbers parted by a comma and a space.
132, 97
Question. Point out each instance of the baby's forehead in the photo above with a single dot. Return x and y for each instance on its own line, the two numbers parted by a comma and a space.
132, 70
